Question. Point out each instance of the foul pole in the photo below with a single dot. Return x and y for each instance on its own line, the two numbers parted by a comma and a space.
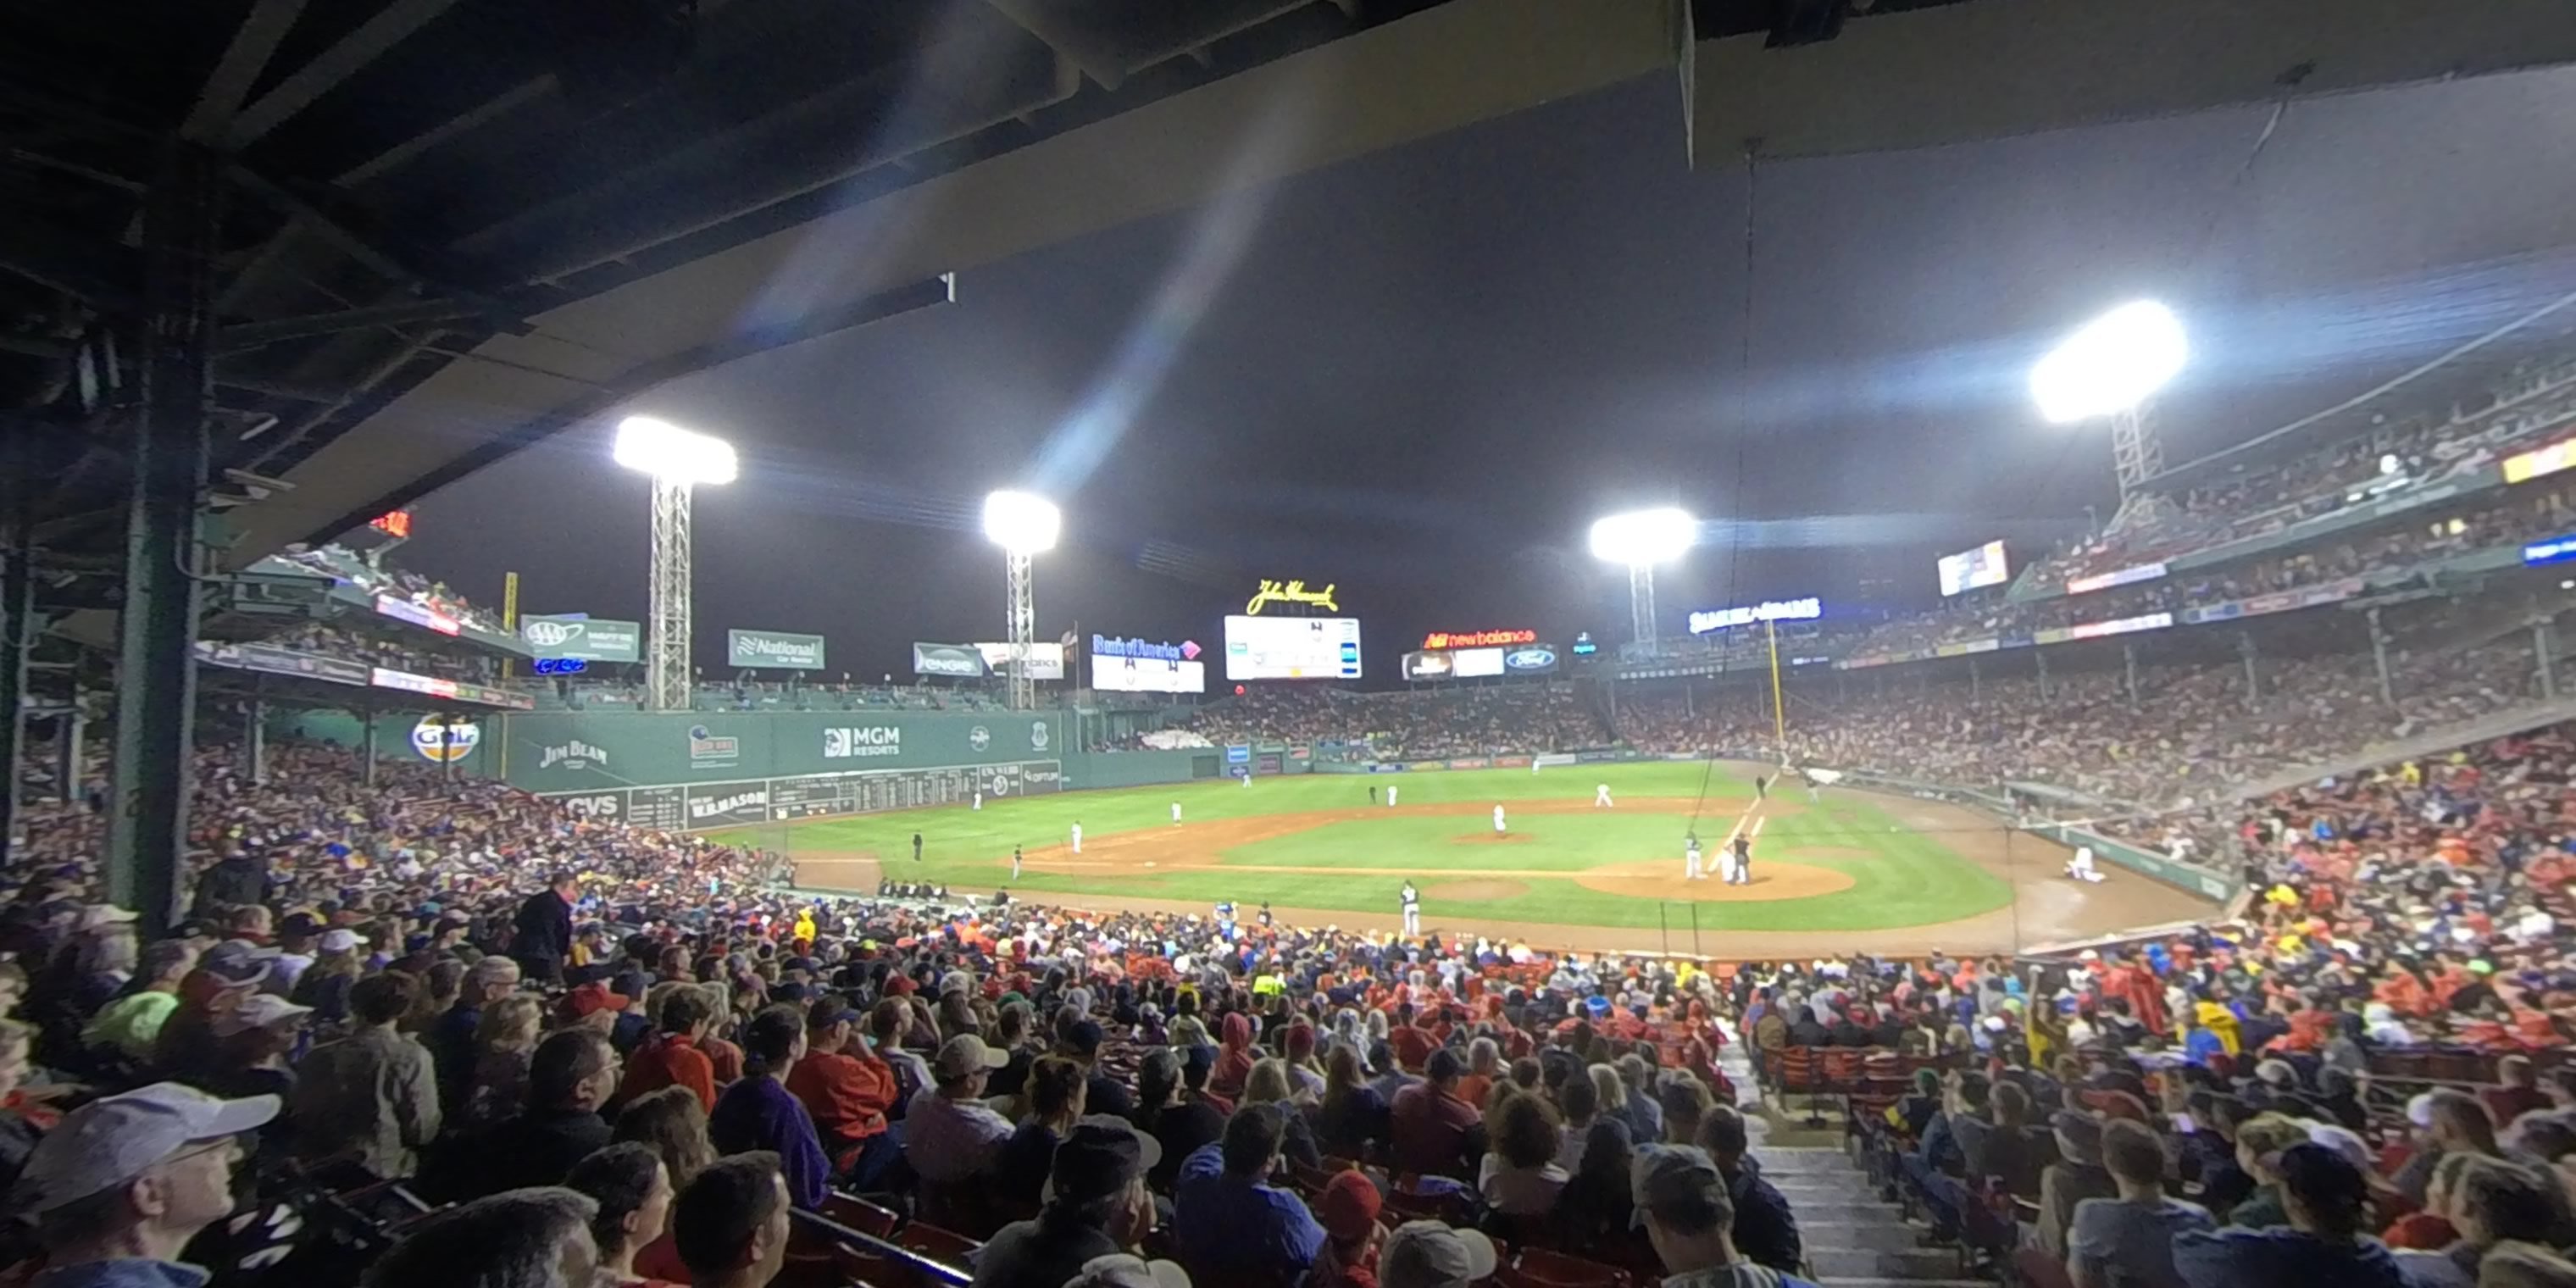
1779, 713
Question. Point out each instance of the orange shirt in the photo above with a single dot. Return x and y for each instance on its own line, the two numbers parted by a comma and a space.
668, 1061
848, 1096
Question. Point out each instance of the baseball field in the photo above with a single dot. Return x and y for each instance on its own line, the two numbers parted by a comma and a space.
1849, 869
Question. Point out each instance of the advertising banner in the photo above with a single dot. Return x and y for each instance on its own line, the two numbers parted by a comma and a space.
779, 650
273, 660
1128, 674
387, 678
951, 661
1478, 639
439, 740
1970, 569
1046, 659
1237, 754
1426, 666
553, 752
1533, 659
1778, 610
2123, 577
1266, 763
1292, 648
1476, 663
403, 610
582, 637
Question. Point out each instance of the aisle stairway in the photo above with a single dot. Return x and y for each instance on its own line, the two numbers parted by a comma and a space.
1852, 1239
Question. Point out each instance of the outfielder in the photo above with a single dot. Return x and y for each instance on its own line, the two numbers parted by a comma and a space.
1690, 859
1498, 820
1411, 901
979, 800
1176, 813
1247, 780
1077, 838
1601, 796
2080, 868
1740, 872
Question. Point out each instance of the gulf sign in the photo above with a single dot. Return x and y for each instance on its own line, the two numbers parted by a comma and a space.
441, 741
1477, 639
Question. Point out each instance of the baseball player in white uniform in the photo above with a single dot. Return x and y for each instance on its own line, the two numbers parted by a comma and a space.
1601, 796
1176, 813
1690, 860
1726, 864
1498, 820
979, 800
1247, 780
1077, 838
1390, 794
1411, 900
2080, 868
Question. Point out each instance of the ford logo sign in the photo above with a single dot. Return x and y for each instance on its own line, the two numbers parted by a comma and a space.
1529, 659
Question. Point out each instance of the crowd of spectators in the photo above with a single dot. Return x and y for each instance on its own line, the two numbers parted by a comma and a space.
1465, 720
2499, 521
2190, 731
2536, 401
615, 1055
375, 577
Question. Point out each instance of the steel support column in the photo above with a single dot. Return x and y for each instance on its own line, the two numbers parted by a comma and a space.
155, 670
668, 675
2136, 454
2254, 678
255, 715
2542, 657
1641, 602
19, 625
2042, 659
2129, 672
367, 746
2379, 659
1976, 682
1019, 618
68, 754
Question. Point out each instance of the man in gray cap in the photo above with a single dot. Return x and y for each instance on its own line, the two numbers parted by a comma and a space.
950, 1134
1428, 1254
1682, 1198
122, 1185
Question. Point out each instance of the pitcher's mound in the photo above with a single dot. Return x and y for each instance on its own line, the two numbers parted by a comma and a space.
1663, 879
1488, 838
1482, 890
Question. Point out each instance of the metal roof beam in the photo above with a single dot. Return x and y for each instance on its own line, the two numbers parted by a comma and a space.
253, 43
239, 337
331, 67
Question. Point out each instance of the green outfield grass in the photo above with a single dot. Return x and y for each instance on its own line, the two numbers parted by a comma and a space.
1898, 877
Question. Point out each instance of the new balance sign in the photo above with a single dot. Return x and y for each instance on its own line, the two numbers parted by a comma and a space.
864, 740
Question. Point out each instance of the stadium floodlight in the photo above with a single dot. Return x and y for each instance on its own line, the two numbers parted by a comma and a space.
678, 460
1638, 541
2110, 368
668, 452
1022, 524
1644, 536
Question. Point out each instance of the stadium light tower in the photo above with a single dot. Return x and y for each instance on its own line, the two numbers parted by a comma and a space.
2111, 367
1640, 540
1023, 525
678, 460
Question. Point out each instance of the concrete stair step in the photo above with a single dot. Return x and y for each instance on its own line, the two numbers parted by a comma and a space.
1855, 1210
1832, 1281
1815, 1161
1880, 1263
1890, 1235
1819, 1188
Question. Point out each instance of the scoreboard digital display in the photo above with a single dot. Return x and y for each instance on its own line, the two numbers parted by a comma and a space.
1292, 648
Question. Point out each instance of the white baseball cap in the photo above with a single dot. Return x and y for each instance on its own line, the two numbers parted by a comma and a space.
257, 1011
109, 1142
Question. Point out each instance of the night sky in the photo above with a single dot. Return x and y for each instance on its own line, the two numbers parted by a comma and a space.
1427, 370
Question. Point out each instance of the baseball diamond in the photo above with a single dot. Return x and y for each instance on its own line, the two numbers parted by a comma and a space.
1854, 868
